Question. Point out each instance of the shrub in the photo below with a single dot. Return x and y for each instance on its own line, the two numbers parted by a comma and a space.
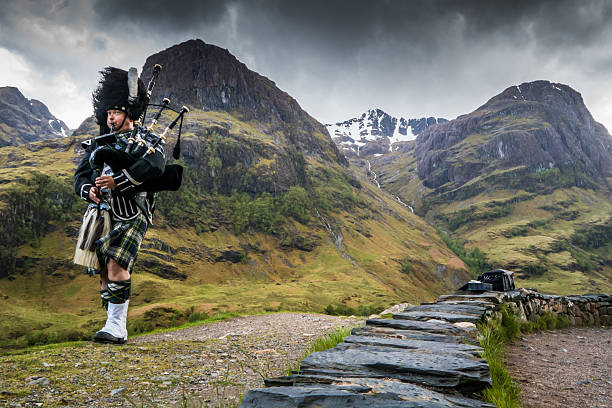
197, 316
406, 265
593, 236
559, 246
510, 324
534, 269
344, 310
296, 203
517, 231
476, 259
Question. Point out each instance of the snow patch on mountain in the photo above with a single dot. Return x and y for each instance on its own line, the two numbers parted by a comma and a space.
378, 130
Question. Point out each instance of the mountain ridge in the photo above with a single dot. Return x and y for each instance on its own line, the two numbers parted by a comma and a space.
25, 120
555, 129
375, 131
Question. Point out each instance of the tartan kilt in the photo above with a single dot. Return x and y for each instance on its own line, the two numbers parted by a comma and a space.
124, 245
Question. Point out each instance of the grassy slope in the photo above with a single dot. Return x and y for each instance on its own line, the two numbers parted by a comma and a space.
54, 295
539, 222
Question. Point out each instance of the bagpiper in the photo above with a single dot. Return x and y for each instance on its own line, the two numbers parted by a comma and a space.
121, 208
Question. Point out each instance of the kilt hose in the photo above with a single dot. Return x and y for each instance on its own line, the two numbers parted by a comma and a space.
122, 243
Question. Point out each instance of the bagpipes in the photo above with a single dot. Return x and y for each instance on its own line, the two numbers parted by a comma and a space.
120, 153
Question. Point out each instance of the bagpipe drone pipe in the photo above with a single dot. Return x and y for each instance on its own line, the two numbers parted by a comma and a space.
122, 153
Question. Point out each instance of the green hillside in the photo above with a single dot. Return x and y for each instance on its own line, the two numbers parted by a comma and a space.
220, 244
526, 181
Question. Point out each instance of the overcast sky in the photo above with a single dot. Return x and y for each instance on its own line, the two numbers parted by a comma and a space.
337, 58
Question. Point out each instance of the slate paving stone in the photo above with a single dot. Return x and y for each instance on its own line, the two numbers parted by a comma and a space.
427, 315
438, 327
480, 303
448, 308
357, 393
379, 386
492, 297
353, 360
383, 363
406, 334
456, 349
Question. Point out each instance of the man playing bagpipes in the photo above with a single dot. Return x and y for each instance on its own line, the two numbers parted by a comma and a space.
119, 175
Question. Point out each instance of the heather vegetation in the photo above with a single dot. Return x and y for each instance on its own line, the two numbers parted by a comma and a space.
344, 310
470, 215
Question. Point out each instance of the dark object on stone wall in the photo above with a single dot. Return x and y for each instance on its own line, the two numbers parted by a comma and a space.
501, 279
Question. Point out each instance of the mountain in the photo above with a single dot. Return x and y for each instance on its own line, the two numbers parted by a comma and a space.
25, 120
538, 126
269, 217
375, 131
208, 78
525, 178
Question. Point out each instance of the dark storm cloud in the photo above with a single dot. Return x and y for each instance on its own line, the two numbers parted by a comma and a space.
337, 58
341, 25
154, 15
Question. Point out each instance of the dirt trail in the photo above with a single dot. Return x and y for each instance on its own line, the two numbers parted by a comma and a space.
565, 368
209, 365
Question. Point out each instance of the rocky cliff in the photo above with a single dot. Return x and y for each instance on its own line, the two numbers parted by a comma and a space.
209, 78
25, 120
536, 126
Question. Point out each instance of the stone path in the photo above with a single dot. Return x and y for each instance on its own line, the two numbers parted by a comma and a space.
423, 357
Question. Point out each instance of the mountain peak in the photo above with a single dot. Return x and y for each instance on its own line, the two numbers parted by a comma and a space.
540, 91
375, 131
206, 77
537, 125
26, 120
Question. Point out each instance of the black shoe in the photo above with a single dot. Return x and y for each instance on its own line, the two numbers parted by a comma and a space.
107, 338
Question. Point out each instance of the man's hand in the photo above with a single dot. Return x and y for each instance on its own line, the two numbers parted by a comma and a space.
105, 182
93, 195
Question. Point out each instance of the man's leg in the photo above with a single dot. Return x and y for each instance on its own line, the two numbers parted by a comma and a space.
104, 293
118, 285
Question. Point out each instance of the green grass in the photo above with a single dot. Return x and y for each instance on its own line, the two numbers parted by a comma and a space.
547, 321
330, 340
493, 336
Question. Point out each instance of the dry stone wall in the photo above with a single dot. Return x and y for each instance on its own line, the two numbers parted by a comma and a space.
424, 356
585, 310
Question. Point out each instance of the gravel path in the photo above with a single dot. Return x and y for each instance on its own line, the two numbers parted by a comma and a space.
210, 365
565, 368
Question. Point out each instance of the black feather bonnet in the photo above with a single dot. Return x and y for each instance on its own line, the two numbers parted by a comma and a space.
112, 93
